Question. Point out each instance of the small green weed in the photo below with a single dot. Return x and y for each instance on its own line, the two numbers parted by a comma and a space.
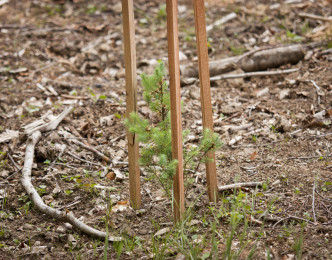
293, 37
53, 10
162, 12
28, 204
91, 9
298, 245
326, 185
237, 50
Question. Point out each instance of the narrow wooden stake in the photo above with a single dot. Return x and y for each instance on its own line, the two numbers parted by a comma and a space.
131, 99
176, 124
204, 79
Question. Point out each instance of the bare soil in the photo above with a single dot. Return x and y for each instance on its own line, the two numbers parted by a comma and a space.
76, 48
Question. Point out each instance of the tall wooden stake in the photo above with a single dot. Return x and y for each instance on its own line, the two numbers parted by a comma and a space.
176, 124
131, 99
204, 79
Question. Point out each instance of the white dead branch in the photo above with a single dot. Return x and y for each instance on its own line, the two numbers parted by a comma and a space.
240, 127
33, 194
240, 185
254, 74
235, 140
221, 21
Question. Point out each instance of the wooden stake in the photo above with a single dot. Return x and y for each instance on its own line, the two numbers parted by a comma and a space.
206, 106
176, 124
131, 99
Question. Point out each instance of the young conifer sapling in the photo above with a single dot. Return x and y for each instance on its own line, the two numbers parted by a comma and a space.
155, 135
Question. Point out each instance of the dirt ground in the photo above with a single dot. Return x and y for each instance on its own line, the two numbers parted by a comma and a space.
59, 53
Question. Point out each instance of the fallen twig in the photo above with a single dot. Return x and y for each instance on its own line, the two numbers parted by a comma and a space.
66, 165
329, 200
74, 97
4, 197
101, 187
311, 157
239, 185
317, 136
315, 17
149, 193
74, 203
13, 162
295, 132
240, 127
57, 185
91, 149
255, 221
313, 200
117, 138
18, 169
253, 74
235, 140
292, 217
68, 138
325, 52
83, 160
11, 176
44, 67
318, 91
221, 21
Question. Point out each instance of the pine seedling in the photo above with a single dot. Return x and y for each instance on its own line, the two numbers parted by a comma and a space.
156, 154
155, 135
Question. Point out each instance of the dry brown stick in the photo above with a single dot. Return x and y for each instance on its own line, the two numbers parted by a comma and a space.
131, 100
318, 91
13, 162
78, 135
72, 204
254, 74
62, 149
293, 217
91, 149
325, 52
176, 124
311, 157
204, 76
66, 165
13, 26
117, 138
329, 200
315, 17
39, 203
83, 160
12, 175
239, 185
44, 67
